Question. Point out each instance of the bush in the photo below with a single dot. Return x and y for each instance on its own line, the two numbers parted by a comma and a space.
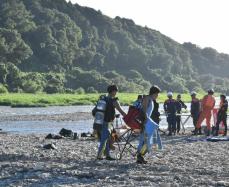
91, 90
80, 90
3, 89
53, 89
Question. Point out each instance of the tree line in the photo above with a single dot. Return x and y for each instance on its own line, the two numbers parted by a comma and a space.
57, 47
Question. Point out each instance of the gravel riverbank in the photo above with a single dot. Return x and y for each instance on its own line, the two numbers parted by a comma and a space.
23, 162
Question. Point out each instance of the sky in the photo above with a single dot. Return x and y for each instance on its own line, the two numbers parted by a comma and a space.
202, 22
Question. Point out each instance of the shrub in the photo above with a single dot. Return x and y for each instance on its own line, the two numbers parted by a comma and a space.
3, 89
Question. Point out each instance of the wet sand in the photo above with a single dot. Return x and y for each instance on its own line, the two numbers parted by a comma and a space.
23, 162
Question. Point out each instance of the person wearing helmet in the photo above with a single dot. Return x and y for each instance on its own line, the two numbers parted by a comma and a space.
207, 105
180, 105
222, 114
195, 110
112, 103
170, 108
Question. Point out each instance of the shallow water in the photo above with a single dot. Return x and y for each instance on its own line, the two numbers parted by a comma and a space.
44, 127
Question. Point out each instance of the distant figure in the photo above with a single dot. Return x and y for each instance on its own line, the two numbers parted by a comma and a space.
138, 102
207, 105
149, 126
112, 103
170, 107
180, 105
195, 110
222, 114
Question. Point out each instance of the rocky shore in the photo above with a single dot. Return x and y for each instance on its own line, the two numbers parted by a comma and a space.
24, 162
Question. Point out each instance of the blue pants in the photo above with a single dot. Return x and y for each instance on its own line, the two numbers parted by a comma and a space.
104, 146
171, 119
147, 137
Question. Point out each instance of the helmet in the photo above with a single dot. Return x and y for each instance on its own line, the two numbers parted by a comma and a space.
211, 91
169, 94
193, 93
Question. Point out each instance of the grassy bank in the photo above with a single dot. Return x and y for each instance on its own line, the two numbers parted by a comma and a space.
42, 100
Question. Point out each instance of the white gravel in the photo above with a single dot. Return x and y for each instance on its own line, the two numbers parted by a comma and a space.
23, 162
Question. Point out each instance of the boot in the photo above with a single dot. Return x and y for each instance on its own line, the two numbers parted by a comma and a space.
140, 159
195, 132
199, 131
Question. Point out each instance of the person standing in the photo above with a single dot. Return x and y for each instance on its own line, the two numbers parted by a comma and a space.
207, 105
222, 114
112, 103
149, 126
170, 108
195, 110
180, 105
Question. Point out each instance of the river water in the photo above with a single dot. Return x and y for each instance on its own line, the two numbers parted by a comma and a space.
44, 127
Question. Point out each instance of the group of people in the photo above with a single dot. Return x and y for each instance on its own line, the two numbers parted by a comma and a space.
200, 110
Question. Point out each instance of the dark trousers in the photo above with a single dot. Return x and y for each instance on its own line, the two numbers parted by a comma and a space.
178, 120
195, 119
221, 118
171, 119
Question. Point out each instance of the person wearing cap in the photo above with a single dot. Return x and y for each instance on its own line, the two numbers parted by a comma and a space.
112, 103
222, 114
195, 109
180, 105
207, 105
170, 108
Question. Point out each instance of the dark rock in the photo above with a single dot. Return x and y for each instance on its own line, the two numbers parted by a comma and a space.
53, 136
49, 146
66, 133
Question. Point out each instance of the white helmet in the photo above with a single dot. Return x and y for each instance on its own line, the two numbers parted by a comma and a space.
193, 93
169, 94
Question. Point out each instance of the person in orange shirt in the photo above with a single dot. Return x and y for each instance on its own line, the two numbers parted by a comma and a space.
207, 104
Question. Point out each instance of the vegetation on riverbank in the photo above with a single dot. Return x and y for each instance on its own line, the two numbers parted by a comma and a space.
42, 100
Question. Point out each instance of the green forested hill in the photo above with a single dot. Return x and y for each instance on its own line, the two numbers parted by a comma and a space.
54, 46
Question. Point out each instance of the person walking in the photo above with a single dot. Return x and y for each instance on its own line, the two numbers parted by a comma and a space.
149, 126
112, 103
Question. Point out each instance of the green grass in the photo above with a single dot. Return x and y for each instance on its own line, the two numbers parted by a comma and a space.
42, 100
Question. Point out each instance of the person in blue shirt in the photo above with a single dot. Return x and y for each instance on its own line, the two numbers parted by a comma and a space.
170, 108
138, 102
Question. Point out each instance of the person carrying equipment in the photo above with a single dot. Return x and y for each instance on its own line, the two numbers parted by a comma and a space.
180, 105
222, 114
149, 126
170, 107
112, 103
195, 110
207, 104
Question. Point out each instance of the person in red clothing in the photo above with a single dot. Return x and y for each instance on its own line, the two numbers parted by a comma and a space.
207, 104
